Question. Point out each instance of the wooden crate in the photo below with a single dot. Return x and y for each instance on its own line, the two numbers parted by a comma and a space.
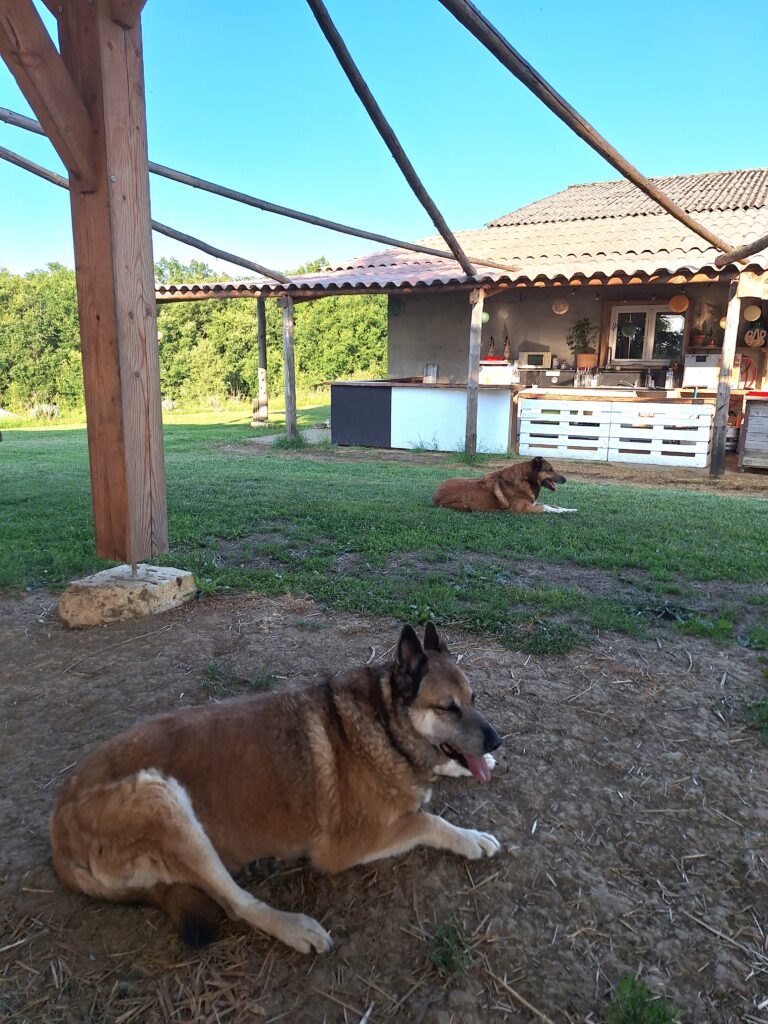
563, 429
753, 442
660, 433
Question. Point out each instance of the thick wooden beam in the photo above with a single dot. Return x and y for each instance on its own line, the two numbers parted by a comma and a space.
384, 129
47, 85
289, 373
261, 403
477, 298
116, 290
127, 12
720, 424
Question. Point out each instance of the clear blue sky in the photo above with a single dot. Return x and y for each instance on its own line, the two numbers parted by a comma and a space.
247, 93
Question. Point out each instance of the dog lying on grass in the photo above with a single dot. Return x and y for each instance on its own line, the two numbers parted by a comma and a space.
512, 489
336, 772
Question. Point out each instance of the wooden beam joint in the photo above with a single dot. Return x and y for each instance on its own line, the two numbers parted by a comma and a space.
49, 89
126, 13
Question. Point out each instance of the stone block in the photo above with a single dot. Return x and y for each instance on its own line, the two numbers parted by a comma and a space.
115, 594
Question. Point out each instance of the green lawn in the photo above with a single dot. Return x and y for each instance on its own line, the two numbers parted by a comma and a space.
364, 535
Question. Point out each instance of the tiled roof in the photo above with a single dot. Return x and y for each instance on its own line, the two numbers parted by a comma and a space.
547, 246
696, 193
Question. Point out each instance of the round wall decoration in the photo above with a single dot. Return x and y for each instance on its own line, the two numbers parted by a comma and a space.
560, 307
752, 313
679, 303
723, 322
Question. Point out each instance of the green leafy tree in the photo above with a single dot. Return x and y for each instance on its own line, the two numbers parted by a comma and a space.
205, 348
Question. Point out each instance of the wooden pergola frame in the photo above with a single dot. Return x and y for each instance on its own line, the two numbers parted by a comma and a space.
89, 98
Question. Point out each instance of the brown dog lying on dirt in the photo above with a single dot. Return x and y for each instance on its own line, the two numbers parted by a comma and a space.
513, 489
335, 772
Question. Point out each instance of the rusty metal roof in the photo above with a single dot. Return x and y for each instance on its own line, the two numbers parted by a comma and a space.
613, 231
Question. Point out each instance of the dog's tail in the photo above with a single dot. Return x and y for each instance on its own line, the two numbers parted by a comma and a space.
195, 914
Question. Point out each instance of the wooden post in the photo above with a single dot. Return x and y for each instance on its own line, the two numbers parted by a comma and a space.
261, 402
289, 375
720, 425
476, 297
116, 287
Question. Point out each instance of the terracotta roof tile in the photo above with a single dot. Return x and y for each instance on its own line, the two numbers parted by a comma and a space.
696, 193
610, 229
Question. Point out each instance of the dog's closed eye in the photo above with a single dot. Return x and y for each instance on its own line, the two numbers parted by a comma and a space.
453, 708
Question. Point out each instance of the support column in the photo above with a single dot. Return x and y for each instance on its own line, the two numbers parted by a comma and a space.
720, 425
477, 298
261, 402
289, 374
115, 287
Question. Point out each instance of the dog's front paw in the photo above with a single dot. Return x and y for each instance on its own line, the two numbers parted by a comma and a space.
475, 845
303, 933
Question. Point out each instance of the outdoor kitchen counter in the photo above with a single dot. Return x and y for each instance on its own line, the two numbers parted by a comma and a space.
618, 395
413, 414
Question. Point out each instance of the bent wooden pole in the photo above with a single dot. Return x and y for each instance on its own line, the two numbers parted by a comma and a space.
163, 229
384, 129
743, 251
289, 373
477, 298
29, 124
720, 424
481, 28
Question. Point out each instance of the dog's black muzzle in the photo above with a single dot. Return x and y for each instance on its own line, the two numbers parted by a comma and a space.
491, 739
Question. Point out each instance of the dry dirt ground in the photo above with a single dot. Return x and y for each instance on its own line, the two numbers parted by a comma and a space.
630, 801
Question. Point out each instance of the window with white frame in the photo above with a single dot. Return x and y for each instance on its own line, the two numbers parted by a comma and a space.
647, 334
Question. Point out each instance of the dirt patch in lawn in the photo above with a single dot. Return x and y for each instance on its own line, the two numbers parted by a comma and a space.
630, 802
734, 481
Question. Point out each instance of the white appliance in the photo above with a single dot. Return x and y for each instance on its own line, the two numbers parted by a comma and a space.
703, 371
535, 360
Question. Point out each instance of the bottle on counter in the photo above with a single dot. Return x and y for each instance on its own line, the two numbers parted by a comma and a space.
669, 380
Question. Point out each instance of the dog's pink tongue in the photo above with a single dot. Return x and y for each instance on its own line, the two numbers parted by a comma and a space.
478, 767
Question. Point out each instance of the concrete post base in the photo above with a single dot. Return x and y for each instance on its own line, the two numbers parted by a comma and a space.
115, 594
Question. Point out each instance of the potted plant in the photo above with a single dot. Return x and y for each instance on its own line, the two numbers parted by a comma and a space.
580, 340
702, 335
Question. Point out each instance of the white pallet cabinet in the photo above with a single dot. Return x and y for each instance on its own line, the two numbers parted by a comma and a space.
655, 433
563, 429
661, 433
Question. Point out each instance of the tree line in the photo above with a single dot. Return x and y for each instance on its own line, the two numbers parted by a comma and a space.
206, 348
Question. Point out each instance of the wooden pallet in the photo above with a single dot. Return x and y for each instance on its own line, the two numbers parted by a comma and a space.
656, 433
660, 433
565, 429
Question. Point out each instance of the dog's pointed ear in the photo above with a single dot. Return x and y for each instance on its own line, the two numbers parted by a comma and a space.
432, 639
409, 650
411, 663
